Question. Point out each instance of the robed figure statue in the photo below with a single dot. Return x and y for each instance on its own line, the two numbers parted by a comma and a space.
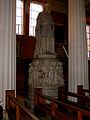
44, 33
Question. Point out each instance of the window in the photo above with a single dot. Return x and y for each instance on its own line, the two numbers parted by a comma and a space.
88, 39
19, 17
34, 10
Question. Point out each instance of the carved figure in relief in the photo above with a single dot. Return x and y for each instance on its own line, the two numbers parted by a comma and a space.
44, 33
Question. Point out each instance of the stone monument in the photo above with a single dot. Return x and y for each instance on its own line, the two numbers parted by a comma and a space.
45, 71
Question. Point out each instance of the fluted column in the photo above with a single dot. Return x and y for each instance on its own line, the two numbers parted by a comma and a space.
78, 62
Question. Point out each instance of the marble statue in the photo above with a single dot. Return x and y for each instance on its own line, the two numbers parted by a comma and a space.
44, 33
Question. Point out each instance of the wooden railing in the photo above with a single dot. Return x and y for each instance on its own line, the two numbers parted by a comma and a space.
15, 110
59, 110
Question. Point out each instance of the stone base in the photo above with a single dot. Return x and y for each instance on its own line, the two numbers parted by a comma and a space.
51, 91
30, 99
45, 72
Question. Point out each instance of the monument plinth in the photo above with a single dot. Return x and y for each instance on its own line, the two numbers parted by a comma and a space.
45, 72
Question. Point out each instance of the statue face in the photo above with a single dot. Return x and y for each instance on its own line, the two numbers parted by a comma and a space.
46, 7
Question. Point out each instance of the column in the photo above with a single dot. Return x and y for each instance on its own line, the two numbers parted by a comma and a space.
78, 62
7, 47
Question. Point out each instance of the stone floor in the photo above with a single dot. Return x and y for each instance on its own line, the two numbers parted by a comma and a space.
5, 115
45, 118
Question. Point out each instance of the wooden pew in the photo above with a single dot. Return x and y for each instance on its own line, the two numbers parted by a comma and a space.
86, 93
80, 96
58, 110
83, 91
15, 110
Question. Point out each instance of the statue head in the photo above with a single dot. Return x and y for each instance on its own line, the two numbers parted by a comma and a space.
46, 7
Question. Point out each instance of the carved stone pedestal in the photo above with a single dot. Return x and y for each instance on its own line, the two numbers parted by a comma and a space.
45, 72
